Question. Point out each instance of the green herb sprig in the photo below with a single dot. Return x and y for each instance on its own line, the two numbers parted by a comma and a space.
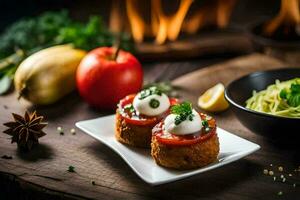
150, 91
291, 95
129, 108
183, 111
29, 35
71, 168
165, 87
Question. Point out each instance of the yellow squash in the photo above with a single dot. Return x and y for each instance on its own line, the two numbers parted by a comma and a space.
49, 74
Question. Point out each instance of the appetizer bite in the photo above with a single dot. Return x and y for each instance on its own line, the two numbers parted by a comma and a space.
138, 114
185, 139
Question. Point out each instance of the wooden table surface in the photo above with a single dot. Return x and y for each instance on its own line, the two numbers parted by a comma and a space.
42, 173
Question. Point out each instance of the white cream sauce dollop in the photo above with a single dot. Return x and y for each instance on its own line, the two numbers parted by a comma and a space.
143, 106
185, 127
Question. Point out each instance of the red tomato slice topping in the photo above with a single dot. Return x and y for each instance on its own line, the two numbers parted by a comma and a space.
142, 120
171, 139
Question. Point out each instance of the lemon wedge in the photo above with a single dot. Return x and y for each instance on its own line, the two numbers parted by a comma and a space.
213, 99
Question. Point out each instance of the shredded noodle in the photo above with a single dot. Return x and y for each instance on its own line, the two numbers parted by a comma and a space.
269, 101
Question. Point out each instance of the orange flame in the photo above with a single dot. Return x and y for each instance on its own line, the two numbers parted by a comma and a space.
288, 15
217, 12
167, 27
223, 12
136, 21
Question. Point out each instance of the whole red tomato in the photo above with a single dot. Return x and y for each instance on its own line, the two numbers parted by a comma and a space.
103, 82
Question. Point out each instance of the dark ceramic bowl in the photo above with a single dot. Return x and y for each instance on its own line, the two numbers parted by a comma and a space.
261, 42
276, 127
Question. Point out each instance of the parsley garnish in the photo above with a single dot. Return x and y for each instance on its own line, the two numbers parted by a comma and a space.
129, 108
165, 87
205, 123
71, 169
150, 91
154, 103
291, 95
183, 111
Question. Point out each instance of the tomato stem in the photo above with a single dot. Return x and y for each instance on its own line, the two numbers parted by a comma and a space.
117, 48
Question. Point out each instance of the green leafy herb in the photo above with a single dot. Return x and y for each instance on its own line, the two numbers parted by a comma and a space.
291, 95
164, 87
30, 35
129, 108
71, 168
205, 123
150, 91
183, 111
154, 103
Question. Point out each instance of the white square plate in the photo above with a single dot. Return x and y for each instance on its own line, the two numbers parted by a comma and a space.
232, 148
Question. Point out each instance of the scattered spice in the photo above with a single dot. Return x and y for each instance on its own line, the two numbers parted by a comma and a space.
283, 180
71, 169
73, 131
26, 131
7, 157
60, 130
281, 177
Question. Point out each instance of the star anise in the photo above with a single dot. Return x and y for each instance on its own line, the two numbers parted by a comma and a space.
26, 131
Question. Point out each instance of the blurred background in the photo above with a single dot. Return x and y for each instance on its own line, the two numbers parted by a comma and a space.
179, 29
172, 30
245, 11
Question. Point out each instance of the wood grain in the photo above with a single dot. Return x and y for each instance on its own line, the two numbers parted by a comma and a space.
45, 168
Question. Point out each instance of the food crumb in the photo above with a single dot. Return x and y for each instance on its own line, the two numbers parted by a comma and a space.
281, 176
266, 171
283, 180
60, 130
274, 178
271, 165
271, 173
73, 131
93, 183
290, 174
280, 169
294, 185
280, 193
71, 169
